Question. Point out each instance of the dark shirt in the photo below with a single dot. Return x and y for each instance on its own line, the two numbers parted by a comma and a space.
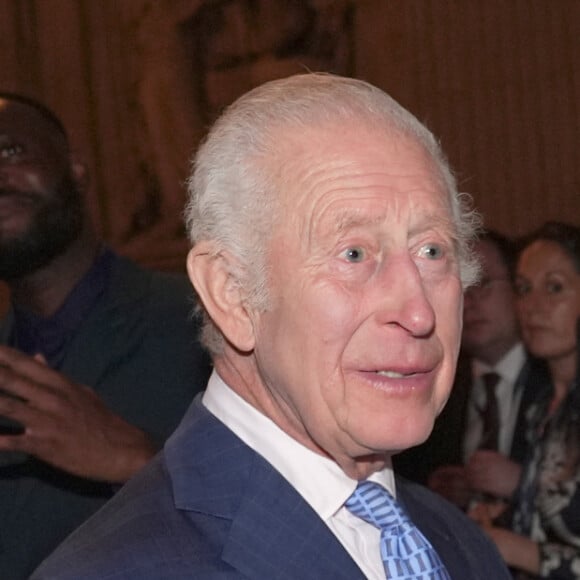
50, 336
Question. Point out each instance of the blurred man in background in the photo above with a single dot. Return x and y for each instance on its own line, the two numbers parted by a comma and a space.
100, 357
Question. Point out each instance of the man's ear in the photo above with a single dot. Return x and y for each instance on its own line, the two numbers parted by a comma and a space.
80, 172
211, 275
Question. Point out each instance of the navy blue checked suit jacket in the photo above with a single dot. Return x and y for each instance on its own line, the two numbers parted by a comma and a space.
210, 508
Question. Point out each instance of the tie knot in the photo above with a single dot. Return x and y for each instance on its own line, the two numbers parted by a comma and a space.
375, 505
405, 552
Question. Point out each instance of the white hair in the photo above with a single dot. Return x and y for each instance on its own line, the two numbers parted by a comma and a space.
233, 197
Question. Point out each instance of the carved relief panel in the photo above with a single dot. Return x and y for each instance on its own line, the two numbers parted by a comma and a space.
193, 58
235, 45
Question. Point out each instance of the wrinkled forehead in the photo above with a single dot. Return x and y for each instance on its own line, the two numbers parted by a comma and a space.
324, 164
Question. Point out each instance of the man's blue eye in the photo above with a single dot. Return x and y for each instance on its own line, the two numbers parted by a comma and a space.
432, 251
354, 254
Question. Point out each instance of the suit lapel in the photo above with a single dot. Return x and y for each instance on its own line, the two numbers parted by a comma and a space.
436, 530
441, 523
275, 533
272, 531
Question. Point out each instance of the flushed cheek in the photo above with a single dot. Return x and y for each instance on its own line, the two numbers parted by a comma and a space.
333, 310
333, 318
26, 180
335, 330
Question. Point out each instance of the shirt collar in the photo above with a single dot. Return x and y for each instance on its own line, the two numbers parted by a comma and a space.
318, 479
508, 367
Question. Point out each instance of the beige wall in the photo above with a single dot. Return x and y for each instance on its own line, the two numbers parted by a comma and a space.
497, 80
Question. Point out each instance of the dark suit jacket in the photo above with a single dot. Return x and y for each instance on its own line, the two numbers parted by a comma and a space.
209, 507
138, 349
445, 444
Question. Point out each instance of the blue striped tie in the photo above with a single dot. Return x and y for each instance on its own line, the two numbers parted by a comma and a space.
406, 553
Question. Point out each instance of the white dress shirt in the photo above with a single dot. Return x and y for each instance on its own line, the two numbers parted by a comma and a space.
318, 479
509, 396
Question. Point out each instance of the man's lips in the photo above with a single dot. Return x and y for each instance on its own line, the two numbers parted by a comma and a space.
401, 372
391, 374
401, 381
397, 362
402, 375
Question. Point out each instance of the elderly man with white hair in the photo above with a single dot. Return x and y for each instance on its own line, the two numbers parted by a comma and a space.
330, 250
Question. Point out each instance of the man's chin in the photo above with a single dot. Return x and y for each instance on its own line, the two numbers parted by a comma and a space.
395, 441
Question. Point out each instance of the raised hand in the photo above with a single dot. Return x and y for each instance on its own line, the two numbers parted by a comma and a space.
66, 424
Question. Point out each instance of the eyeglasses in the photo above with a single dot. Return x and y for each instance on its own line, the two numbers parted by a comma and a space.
485, 287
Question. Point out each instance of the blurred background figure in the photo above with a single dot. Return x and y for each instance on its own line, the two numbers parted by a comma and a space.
100, 358
545, 541
486, 413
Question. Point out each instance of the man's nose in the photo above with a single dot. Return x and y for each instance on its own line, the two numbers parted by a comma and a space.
404, 300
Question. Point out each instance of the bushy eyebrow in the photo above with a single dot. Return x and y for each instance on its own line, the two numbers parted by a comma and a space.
437, 223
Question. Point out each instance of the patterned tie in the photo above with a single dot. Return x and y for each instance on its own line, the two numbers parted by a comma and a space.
406, 553
490, 413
